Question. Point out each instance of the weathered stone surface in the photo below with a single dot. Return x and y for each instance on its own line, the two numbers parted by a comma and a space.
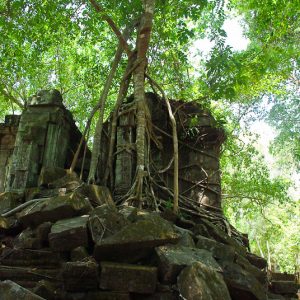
200, 282
241, 284
186, 238
219, 251
99, 295
223, 237
128, 278
9, 225
55, 209
80, 275
173, 258
28, 240
9, 201
257, 261
129, 212
68, 234
142, 235
79, 253
11, 291
32, 274
260, 275
284, 287
30, 258
46, 289
283, 277
50, 174
97, 194
105, 221
42, 232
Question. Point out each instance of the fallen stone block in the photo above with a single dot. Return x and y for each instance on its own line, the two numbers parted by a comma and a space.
80, 275
9, 290
136, 238
173, 258
128, 278
47, 290
68, 234
257, 261
97, 194
28, 240
54, 209
9, 200
105, 221
283, 277
30, 258
9, 225
50, 174
79, 253
186, 237
219, 250
284, 287
260, 275
32, 274
242, 284
99, 295
201, 282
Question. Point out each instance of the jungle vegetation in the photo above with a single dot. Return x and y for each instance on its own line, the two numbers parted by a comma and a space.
89, 50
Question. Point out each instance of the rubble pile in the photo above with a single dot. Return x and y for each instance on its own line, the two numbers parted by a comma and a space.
76, 244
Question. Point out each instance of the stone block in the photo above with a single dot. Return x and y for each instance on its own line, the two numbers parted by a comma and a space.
9, 290
97, 194
50, 174
80, 275
105, 221
128, 278
242, 284
173, 258
54, 209
257, 261
99, 295
68, 234
28, 240
284, 287
143, 235
219, 251
201, 282
79, 253
9, 200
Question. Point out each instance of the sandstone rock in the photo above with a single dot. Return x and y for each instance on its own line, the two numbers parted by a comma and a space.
201, 282
30, 258
42, 232
173, 258
46, 289
219, 251
9, 200
68, 234
28, 240
129, 212
186, 237
241, 284
257, 261
9, 225
128, 278
284, 287
221, 236
283, 277
54, 209
260, 275
80, 275
99, 295
143, 235
97, 194
79, 253
9, 290
105, 221
50, 174
70, 182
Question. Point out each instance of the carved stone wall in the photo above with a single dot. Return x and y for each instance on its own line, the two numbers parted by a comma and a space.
8, 131
47, 137
200, 140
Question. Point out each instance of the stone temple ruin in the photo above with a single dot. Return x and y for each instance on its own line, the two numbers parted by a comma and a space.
62, 238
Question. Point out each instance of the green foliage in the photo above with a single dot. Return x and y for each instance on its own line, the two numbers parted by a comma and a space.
65, 44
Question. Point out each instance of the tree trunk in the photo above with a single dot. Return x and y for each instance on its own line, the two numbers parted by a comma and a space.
102, 101
143, 40
121, 95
